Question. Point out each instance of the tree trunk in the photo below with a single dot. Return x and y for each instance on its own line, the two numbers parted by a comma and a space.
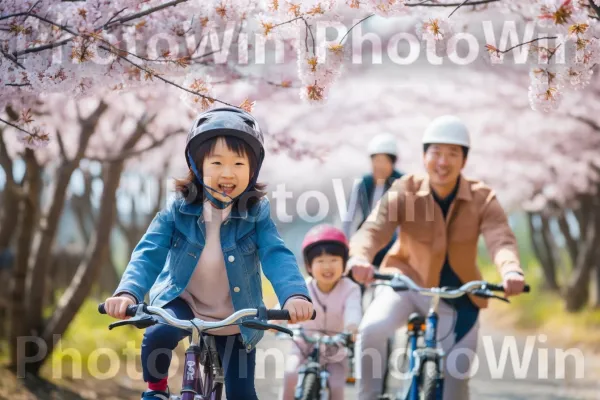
577, 291
38, 270
596, 297
542, 253
9, 218
569, 239
97, 251
10, 201
89, 268
27, 224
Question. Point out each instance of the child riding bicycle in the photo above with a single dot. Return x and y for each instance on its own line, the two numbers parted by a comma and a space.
336, 301
200, 256
440, 216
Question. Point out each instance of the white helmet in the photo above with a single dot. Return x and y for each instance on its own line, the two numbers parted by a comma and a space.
384, 143
447, 129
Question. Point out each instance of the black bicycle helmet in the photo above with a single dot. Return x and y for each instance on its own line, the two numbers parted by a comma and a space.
225, 121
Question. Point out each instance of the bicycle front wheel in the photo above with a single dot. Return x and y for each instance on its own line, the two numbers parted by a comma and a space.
429, 380
310, 387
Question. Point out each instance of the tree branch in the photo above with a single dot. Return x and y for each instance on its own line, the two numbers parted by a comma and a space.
349, 30
113, 17
595, 7
13, 59
102, 28
457, 7
15, 126
523, 44
149, 11
26, 13
589, 122
61, 146
44, 47
308, 28
475, 3
151, 73
88, 127
133, 153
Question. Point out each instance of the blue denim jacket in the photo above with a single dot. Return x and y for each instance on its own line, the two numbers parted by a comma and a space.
166, 256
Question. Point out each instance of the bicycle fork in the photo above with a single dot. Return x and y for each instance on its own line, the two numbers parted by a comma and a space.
324, 392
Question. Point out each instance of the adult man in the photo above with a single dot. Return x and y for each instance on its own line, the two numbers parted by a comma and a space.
367, 192
441, 215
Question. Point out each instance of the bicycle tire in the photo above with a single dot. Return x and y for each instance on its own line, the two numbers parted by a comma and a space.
207, 377
310, 387
429, 381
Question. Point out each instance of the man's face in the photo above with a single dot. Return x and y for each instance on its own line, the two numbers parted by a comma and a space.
443, 163
382, 166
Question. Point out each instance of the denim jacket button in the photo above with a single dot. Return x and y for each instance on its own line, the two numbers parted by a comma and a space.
236, 289
231, 258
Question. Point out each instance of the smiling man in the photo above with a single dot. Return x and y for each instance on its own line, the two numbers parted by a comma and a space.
441, 215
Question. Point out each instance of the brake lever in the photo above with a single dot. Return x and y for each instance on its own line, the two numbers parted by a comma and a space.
263, 326
140, 323
487, 294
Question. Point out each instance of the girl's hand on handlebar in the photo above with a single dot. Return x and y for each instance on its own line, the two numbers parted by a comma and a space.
299, 308
116, 306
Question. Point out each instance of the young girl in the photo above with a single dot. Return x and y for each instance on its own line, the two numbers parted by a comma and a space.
337, 301
200, 256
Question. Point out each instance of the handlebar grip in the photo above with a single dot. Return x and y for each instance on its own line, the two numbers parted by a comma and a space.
500, 288
130, 312
382, 277
283, 315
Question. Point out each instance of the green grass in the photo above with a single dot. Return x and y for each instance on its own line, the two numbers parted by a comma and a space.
545, 311
87, 342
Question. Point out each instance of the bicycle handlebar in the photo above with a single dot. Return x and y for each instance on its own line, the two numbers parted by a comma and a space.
338, 338
201, 325
402, 282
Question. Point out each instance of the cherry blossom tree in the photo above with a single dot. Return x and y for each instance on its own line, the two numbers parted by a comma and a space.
108, 131
80, 48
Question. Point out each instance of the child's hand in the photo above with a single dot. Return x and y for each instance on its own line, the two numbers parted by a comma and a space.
299, 309
116, 306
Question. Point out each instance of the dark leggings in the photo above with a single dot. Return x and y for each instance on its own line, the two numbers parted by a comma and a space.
160, 341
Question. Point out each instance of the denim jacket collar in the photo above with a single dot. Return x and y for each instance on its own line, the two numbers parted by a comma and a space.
196, 209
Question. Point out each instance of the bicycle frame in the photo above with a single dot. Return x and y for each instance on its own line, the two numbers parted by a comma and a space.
192, 385
202, 350
418, 355
313, 364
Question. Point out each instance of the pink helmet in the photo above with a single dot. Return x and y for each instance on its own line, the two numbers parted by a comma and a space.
321, 234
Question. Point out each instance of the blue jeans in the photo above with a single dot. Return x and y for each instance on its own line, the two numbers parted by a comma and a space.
160, 340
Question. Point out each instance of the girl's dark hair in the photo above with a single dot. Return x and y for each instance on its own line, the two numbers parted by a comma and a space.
330, 248
392, 158
192, 192
465, 149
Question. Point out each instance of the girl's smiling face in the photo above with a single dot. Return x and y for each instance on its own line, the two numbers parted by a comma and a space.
327, 269
226, 170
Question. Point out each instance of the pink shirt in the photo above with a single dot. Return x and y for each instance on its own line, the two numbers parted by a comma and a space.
207, 293
338, 311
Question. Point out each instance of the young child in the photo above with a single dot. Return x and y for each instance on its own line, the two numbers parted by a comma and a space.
200, 256
337, 301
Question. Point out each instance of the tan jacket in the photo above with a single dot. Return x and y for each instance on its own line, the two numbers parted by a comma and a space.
426, 237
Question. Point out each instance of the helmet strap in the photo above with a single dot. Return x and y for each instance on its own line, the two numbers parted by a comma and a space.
219, 204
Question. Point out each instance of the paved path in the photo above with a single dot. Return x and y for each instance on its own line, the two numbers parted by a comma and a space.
516, 383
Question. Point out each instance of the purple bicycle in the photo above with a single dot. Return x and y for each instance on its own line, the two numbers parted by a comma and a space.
203, 377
